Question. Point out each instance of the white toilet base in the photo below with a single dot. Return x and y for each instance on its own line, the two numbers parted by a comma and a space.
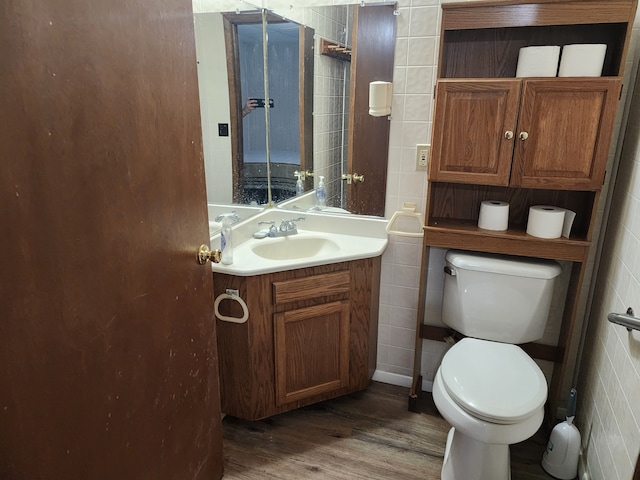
468, 459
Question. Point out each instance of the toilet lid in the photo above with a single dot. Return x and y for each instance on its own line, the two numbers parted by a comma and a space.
497, 382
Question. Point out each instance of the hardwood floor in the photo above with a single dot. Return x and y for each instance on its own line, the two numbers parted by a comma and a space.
368, 435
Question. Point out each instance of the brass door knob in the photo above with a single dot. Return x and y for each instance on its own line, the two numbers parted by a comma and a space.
357, 178
205, 254
524, 135
508, 134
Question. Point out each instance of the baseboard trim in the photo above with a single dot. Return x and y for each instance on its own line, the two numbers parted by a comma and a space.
399, 380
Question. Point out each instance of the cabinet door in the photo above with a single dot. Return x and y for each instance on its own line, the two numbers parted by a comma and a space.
311, 351
563, 133
473, 127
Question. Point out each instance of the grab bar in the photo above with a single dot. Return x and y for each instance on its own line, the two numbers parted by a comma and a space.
626, 320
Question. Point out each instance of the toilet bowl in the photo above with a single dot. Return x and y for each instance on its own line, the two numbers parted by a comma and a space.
489, 390
492, 402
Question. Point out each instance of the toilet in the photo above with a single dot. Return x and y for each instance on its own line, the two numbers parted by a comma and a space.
487, 387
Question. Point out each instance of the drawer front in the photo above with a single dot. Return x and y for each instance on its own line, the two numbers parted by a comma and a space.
334, 283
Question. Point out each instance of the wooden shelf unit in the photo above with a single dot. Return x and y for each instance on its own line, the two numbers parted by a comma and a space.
479, 43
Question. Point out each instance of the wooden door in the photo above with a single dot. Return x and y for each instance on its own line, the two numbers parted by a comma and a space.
311, 351
372, 60
108, 360
473, 128
568, 125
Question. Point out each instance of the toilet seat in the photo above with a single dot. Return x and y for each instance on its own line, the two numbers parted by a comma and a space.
496, 382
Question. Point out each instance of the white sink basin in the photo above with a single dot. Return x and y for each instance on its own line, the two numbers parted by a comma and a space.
321, 239
294, 247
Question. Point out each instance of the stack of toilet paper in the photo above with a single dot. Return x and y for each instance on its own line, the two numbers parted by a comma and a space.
578, 60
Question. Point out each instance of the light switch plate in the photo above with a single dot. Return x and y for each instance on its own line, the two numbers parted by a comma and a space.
422, 157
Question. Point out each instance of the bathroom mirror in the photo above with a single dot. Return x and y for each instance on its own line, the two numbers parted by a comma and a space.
323, 108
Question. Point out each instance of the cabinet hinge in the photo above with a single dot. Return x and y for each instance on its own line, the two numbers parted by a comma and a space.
621, 88
604, 177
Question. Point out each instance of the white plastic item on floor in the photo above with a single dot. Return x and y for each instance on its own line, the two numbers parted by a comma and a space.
560, 459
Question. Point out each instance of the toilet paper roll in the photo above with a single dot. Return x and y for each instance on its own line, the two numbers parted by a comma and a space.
545, 221
538, 61
494, 215
582, 60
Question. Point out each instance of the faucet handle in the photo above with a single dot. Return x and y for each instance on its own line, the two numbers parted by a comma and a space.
264, 233
232, 216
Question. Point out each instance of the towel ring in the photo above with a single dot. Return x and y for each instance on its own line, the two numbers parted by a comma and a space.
231, 295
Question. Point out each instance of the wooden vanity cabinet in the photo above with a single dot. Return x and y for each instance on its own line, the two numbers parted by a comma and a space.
526, 141
542, 133
311, 335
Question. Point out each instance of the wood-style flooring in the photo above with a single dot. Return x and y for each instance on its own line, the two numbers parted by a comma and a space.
368, 435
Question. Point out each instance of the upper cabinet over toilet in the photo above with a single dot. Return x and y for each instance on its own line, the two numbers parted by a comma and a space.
491, 128
539, 133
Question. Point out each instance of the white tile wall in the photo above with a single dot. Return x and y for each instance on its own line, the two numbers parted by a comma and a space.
609, 384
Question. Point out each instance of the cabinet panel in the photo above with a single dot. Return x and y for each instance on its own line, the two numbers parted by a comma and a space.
312, 351
470, 140
568, 123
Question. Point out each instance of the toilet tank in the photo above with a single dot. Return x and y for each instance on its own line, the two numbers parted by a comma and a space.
498, 297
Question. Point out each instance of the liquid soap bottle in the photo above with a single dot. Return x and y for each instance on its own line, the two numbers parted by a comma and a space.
226, 246
321, 193
299, 186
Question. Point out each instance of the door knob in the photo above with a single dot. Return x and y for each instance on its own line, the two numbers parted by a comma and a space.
508, 134
352, 177
524, 135
303, 174
205, 254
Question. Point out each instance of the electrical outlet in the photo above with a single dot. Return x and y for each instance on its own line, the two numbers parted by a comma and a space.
422, 157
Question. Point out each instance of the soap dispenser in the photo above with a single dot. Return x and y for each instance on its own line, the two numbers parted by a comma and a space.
299, 185
321, 193
226, 246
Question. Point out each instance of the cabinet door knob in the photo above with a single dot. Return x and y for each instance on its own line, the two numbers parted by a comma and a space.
524, 135
508, 134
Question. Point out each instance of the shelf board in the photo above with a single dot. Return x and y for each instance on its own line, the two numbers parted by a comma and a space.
451, 234
335, 50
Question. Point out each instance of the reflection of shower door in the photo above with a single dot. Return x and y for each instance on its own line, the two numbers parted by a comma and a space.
369, 136
290, 121
236, 100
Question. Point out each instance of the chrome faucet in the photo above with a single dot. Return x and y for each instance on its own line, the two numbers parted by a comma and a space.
286, 228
